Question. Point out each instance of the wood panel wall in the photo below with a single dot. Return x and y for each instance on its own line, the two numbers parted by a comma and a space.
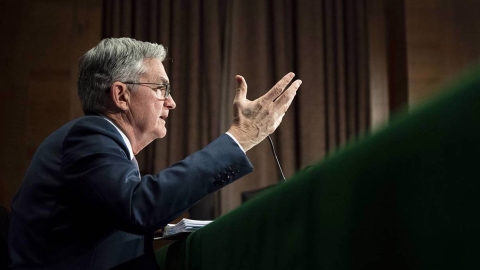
42, 41
443, 38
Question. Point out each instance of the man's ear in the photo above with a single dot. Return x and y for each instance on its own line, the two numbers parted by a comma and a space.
120, 96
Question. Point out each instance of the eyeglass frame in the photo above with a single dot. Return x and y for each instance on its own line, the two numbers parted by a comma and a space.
168, 88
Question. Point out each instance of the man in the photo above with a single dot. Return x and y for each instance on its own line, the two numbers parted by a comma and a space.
83, 203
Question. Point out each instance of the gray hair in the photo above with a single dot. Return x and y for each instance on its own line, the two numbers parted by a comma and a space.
112, 60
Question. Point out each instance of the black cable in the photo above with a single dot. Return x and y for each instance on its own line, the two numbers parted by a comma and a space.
276, 158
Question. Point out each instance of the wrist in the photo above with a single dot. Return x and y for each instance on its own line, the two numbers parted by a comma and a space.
235, 140
241, 138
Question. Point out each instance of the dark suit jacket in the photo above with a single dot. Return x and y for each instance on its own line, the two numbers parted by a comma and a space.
82, 204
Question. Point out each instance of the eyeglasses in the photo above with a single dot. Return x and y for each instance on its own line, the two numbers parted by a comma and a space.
162, 90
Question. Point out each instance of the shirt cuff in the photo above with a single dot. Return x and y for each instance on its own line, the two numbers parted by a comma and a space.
233, 138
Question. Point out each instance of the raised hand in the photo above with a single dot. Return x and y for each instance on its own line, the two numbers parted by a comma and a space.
254, 120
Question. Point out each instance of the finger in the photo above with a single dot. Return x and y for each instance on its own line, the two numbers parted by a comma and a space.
241, 91
278, 88
287, 96
292, 88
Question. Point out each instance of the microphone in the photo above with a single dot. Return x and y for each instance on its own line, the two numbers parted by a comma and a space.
276, 158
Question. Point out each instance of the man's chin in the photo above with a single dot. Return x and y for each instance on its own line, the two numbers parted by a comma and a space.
160, 130
162, 134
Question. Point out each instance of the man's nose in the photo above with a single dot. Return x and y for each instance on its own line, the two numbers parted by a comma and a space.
170, 103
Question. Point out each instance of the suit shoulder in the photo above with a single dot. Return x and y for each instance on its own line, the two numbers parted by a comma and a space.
94, 130
95, 124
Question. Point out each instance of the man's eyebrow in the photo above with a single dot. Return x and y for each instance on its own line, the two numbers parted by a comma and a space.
162, 80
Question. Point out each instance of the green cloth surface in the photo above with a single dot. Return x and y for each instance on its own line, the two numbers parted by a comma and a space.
404, 197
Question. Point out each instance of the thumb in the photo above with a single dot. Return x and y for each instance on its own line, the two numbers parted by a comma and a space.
241, 91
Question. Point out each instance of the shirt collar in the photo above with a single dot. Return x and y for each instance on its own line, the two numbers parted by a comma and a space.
125, 139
